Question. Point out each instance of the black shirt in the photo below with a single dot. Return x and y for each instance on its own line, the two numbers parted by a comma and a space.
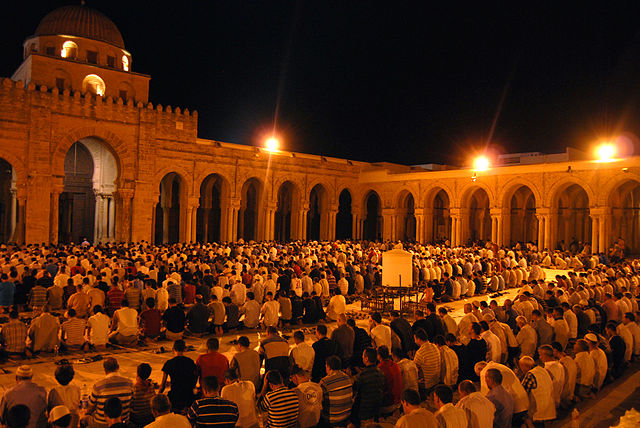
174, 319
198, 318
183, 375
324, 348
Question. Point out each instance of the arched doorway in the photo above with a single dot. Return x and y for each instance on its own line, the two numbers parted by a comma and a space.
523, 224
213, 194
406, 218
441, 217
573, 221
317, 214
344, 217
249, 212
479, 216
87, 206
625, 216
8, 202
372, 228
167, 223
285, 223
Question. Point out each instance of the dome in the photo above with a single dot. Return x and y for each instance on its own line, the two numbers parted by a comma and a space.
80, 21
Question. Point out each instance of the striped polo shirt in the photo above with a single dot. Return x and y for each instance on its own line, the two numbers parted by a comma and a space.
113, 385
337, 397
213, 412
282, 408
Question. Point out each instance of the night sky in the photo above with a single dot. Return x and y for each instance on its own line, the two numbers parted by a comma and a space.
381, 81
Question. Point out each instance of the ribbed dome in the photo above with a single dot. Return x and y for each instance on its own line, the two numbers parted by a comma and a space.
80, 21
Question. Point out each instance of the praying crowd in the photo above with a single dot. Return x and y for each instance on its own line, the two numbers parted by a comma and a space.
556, 342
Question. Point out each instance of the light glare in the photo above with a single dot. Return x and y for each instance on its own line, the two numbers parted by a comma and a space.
481, 163
606, 152
272, 144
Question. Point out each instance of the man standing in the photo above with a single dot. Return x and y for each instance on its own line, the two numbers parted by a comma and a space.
27, 393
501, 399
368, 386
337, 394
242, 393
164, 418
280, 403
414, 414
182, 372
212, 409
275, 350
309, 396
302, 353
113, 385
344, 336
380, 333
323, 348
480, 410
428, 360
247, 362
212, 363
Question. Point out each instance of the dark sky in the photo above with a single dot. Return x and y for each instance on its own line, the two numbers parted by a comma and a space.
381, 81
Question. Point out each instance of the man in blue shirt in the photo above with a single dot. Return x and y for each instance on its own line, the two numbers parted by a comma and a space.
7, 290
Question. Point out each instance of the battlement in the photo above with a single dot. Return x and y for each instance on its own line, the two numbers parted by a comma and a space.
15, 98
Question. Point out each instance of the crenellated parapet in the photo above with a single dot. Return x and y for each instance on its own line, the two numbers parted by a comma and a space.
170, 122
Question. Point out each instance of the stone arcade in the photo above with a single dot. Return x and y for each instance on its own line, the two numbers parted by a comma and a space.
85, 154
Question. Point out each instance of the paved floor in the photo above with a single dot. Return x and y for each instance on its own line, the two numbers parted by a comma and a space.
610, 404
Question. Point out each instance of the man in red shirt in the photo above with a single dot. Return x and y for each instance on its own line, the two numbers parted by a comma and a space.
212, 363
150, 319
393, 381
115, 296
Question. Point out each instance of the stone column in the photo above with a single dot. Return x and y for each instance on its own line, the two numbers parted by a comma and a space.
548, 237
388, 224
269, 226
456, 226
165, 224
427, 234
331, 223
187, 224
53, 216
112, 218
595, 232
13, 213
124, 217
205, 225
540, 231
20, 227
194, 223
603, 239
97, 219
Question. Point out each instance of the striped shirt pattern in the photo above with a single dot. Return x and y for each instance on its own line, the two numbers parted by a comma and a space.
213, 412
337, 397
427, 359
282, 408
111, 386
73, 331
38, 296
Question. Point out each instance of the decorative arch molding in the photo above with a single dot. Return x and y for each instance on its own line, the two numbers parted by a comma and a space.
19, 170
463, 200
604, 195
200, 178
328, 188
513, 185
181, 173
401, 194
433, 190
553, 193
124, 157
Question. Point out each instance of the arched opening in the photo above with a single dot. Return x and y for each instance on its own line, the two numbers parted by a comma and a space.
441, 217
213, 194
372, 228
625, 216
479, 216
249, 210
317, 214
93, 84
86, 207
69, 50
285, 219
573, 221
523, 224
406, 218
344, 217
167, 223
8, 202
125, 63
